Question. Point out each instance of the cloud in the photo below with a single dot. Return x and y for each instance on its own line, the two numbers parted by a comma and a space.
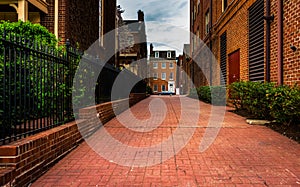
167, 22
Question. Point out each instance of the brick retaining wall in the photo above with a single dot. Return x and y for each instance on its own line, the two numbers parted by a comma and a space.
23, 161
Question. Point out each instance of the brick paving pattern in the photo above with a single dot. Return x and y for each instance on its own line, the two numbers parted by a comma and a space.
241, 154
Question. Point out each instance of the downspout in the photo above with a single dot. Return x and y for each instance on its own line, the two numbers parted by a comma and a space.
269, 18
210, 41
280, 41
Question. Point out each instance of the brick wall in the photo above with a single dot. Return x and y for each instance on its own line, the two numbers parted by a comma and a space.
235, 21
291, 36
23, 161
82, 22
47, 20
77, 20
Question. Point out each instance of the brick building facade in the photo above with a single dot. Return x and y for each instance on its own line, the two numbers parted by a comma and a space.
162, 71
237, 34
82, 22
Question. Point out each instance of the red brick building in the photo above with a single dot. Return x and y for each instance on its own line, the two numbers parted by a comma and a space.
76, 20
162, 71
254, 40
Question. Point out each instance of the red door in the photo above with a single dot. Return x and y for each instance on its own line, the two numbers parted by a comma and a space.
234, 66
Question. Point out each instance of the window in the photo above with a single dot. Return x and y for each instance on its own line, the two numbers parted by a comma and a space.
224, 5
163, 88
171, 65
207, 22
154, 65
154, 76
155, 87
156, 54
169, 54
163, 76
195, 10
171, 76
199, 6
163, 65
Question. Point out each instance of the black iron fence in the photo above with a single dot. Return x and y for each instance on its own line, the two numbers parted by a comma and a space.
36, 86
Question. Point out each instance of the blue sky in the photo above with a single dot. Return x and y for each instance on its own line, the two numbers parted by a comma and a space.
167, 21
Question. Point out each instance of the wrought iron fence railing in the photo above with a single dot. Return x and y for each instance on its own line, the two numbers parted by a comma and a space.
36, 86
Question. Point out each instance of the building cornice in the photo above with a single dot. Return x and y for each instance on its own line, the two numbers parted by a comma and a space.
232, 9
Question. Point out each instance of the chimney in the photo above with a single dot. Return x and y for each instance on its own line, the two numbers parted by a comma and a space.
140, 15
151, 49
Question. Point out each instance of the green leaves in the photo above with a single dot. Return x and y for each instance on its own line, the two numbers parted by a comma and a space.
215, 95
265, 100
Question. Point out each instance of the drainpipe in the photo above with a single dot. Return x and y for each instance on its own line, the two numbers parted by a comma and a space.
210, 42
269, 18
280, 41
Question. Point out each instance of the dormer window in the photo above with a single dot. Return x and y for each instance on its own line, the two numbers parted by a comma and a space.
169, 55
156, 54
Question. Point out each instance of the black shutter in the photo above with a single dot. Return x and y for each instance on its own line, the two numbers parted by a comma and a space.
223, 58
256, 41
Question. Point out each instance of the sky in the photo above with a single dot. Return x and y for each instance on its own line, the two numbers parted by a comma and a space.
167, 21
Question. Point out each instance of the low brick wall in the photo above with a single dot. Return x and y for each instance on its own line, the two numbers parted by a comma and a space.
23, 161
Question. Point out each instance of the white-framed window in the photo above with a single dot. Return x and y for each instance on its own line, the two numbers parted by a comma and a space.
163, 76
163, 65
154, 65
163, 88
154, 76
156, 54
199, 7
171, 76
171, 66
224, 5
169, 55
155, 88
207, 22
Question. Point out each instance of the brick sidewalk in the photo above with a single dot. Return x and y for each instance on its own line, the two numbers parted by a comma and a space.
240, 155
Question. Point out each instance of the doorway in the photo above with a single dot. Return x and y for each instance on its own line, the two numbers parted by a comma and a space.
234, 66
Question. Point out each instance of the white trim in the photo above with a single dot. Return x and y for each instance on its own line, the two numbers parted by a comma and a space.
169, 54
56, 18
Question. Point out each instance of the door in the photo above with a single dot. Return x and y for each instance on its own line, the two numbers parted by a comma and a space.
234, 66
171, 87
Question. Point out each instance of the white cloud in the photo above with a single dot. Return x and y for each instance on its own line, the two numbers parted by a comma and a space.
167, 22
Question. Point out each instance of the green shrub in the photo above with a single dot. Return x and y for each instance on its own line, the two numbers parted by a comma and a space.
45, 81
265, 100
215, 95
204, 94
193, 93
285, 104
32, 32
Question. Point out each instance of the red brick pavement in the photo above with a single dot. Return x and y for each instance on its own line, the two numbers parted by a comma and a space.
241, 155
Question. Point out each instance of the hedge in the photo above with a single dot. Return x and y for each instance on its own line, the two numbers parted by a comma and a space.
267, 101
215, 95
